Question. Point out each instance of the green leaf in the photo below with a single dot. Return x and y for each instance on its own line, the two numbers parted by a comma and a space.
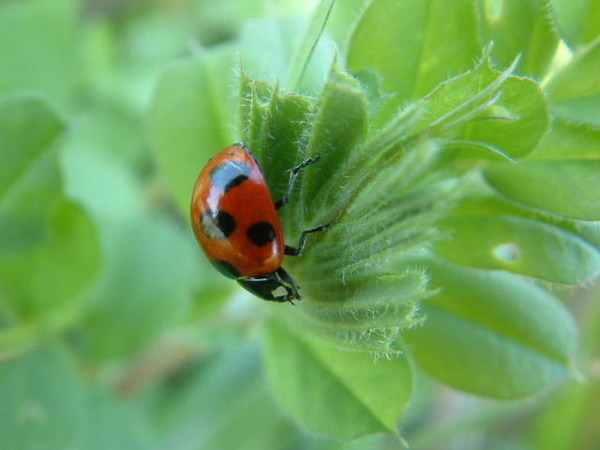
309, 43
377, 304
273, 124
569, 419
44, 287
106, 187
270, 50
590, 231
568, 141
342, 22
575, 90
414, 44
578, 21
38, 44
267, 47
42, 401
493, 334
30, 181
338, 127
115, 421
232, 376
255, 99
150, 272
490, 203
335, 392
110, 129
366, 312
518, 27
575, 186
519, 245
485, 109
353, 297
191, 119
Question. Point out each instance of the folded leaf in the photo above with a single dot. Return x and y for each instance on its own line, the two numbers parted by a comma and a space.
568, 189
273, 124
575, 90
366, 312
578, 21
567, 140
332, 391
415, 44
273, 50
518, 27
338, 128
44, 286
519, 245
313, 37
493, 334
30, 179
486, 109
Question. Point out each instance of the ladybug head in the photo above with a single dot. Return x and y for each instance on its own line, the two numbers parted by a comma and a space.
277, 286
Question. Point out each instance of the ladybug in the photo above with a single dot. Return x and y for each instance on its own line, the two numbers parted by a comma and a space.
237, 225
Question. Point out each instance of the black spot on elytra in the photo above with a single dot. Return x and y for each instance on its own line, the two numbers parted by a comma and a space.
226, 268
261, 233
217, 226
230, 174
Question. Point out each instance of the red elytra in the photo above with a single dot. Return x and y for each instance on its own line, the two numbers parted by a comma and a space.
237, 225
248, 203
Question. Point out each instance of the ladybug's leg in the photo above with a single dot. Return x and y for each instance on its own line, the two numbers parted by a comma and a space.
290, 284
295, 251
293, 176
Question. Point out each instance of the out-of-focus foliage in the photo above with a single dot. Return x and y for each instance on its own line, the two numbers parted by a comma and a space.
459, 172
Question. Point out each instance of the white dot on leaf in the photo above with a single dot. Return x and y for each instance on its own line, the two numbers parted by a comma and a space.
507, 252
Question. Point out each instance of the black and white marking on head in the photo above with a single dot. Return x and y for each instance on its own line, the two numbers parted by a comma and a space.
217, 226
281, 292
230, 174
270, 286
261, 233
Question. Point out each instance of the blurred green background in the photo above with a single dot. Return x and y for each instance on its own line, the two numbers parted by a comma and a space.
114, 331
